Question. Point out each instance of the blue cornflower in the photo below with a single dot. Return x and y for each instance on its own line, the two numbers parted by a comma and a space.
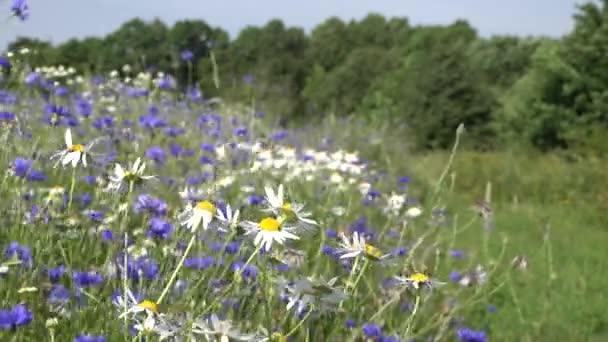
175, 149
84, 108
160, 229
32, 78
173, 131
249, 272
204, 160
5, 63
454, 276
166, 82
20, 9
152, 205
152, 121
207, 147
457, 254
372, 330
241, 132
350, 323
56, 273
330, 233
36, 176
248, 79
232, 247
187, 55
142, 266
280, 135
17, 316
21, 167
62, 91
157, 154
469, 335
399, 251
107, 235
255, 200
59, 294
491, 308
200, 262
96, 215
82, 279
86, 199
7, 116
89, 338
22, 253
89, 179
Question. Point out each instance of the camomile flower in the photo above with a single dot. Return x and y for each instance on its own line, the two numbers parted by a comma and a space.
356, 245
134, 174
289, 210
269, 230
73, 153
306, 291
215, 329
134, 307
417, 280
203, 212
228, 219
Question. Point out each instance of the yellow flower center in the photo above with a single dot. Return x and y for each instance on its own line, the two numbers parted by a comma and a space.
372, 252
76, 148
419, 278
206, 206
148, 305
270, 224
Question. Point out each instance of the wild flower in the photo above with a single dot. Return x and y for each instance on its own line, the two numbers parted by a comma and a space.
288, 210
307, 290
89, 338
418, 280
223, 330
200, 214
133, 175
73, 153
356, 245
20, 9
18, 315
469, 335
268, 231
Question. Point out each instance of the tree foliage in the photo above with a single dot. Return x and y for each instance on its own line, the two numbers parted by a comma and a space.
550, 93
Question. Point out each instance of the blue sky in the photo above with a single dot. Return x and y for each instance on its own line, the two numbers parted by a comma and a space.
59, 20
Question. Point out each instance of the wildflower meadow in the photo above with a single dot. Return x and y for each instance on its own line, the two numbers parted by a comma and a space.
135, 208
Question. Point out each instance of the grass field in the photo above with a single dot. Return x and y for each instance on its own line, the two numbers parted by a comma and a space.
496, 246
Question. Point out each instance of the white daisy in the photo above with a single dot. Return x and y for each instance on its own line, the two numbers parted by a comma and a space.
289, 210
73, 153
417, 280
269, 230
215, 329
203, 212
133, 174
305, 291
355, 246
229, 219
133, 307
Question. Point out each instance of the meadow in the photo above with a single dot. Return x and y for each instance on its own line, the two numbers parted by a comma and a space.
341, 233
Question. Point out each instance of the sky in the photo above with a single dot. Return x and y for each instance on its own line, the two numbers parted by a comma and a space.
59, 20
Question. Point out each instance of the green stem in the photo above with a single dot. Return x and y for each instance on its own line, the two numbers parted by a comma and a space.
179, 266
292, 331
72, 185
360, 274
408, 327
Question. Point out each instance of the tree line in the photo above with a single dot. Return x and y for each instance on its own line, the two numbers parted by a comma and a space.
550, 93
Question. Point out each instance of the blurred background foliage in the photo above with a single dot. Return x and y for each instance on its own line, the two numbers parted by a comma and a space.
509, 91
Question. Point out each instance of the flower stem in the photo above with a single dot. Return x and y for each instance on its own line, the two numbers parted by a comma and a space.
72, 185
179, 266
292, 331
408, 326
